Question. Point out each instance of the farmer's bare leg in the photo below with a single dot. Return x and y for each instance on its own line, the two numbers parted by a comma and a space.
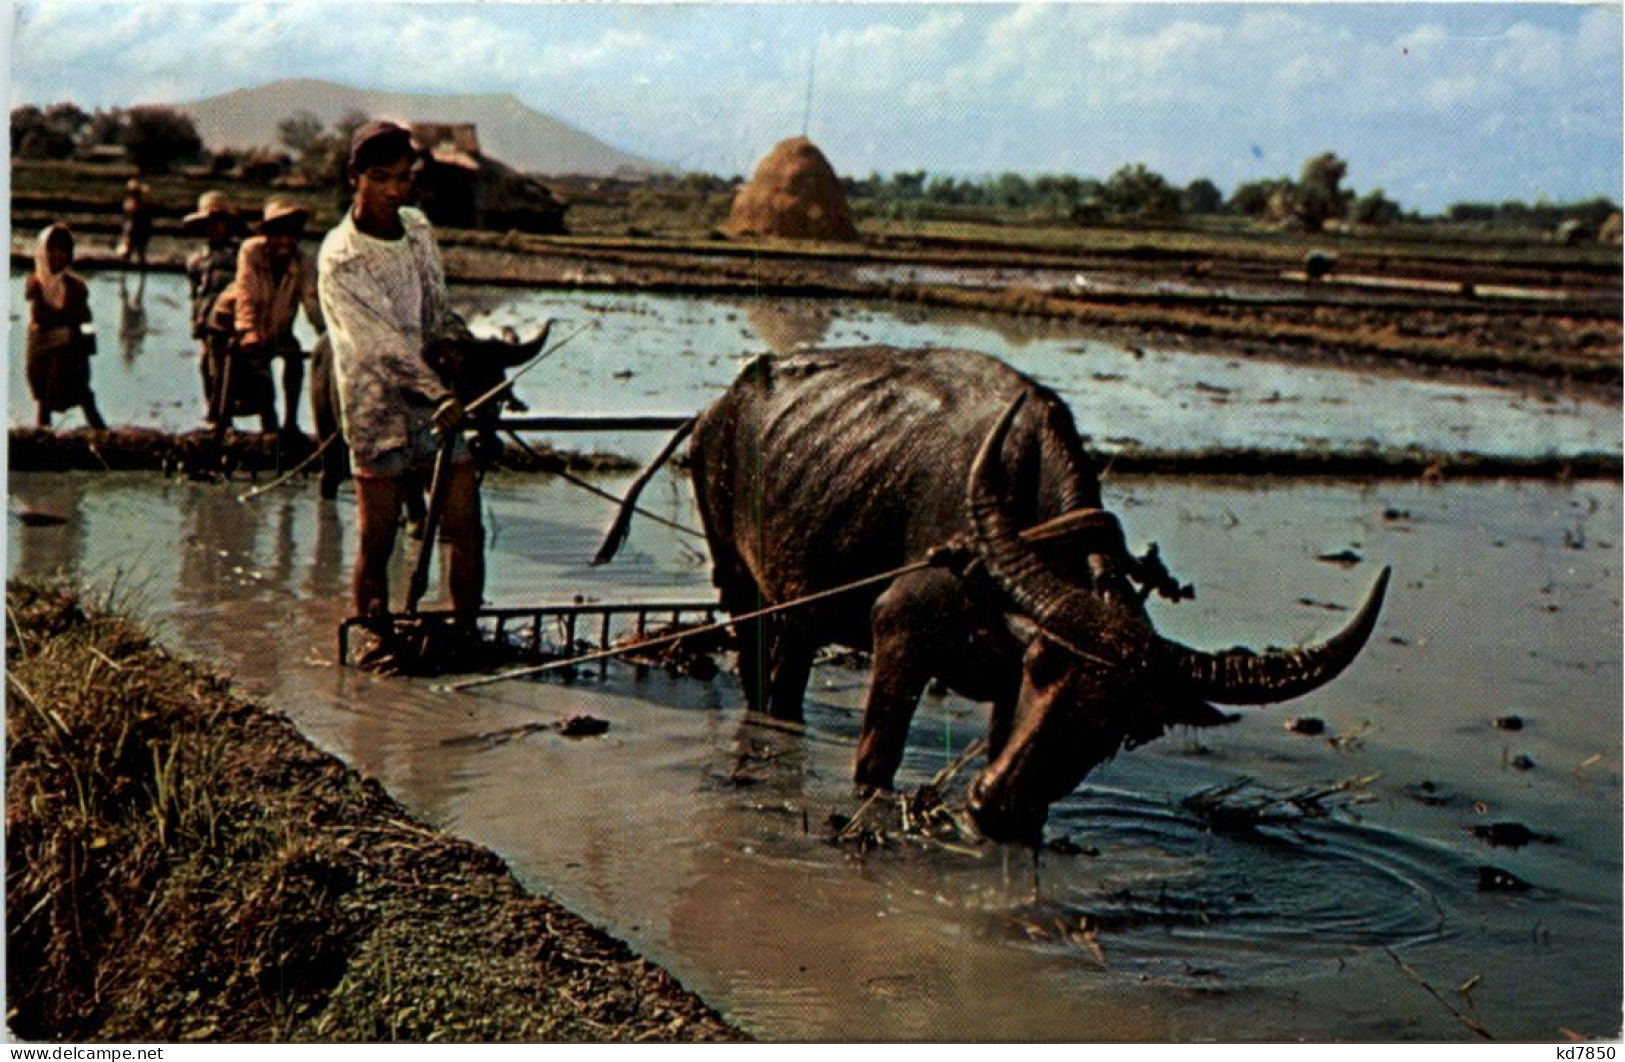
378, 503
465, 543
293, 380
93, 416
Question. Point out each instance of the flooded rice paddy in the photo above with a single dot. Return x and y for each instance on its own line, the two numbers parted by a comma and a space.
667, 354
698, 834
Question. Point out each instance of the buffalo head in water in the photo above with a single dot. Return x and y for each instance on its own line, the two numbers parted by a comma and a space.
1095, 676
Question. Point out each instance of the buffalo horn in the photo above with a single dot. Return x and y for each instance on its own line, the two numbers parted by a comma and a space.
1017, 568
1240, 676
1089, 624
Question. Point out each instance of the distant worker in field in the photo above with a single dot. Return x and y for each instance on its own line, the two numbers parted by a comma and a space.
210, 271
258, 311
137, 230
384, 293
56, 355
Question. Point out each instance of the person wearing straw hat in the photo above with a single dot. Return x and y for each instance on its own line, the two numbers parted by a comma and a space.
273, 281
137, 229
384, 292
210, 271
59, 343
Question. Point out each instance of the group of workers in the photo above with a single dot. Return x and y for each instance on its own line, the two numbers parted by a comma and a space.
244, 303
379, 292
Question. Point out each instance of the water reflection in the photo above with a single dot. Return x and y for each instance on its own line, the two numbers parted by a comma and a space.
788, 326
132, 316
50, 529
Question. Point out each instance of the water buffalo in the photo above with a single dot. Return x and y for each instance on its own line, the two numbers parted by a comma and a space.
470, 366
818, 469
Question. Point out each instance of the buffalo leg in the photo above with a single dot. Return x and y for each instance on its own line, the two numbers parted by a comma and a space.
899, 671
898, 679
793, 655
752, 637
739, 595
335, 466
998, 730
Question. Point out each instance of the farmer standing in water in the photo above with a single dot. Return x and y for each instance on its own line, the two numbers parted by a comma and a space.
59, 343
384, 295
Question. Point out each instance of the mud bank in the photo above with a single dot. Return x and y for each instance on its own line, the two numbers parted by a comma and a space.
198, 455
183, 865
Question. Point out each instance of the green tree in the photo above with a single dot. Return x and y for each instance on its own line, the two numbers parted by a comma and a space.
1201, 196
1137, 192
159, 137
323, 159
1057, 194
1012, 191
1320, 196
49, 134
298, 130
1375, 208
1252, 198
105, 127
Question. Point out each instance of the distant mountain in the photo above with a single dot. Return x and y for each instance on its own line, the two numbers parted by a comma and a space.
509, 131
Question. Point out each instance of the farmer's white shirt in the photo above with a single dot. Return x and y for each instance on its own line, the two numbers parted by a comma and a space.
383, 300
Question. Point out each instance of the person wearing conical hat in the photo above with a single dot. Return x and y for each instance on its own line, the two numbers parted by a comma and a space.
56, 352
137, 224
210, 271
274, 279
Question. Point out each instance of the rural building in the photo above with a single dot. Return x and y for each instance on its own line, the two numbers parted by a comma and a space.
461, 188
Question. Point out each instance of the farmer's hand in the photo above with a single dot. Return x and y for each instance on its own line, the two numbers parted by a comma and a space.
447, 415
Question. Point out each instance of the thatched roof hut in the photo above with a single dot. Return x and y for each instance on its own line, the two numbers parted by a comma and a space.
462, 188
794, 195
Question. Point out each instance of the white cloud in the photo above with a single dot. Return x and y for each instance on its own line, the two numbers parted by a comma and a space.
965, 88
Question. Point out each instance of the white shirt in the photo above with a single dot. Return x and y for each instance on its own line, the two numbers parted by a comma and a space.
383, 300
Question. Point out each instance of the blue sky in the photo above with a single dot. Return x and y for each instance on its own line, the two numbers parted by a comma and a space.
1432, 103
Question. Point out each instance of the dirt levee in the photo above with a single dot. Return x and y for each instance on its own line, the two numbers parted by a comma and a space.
182, 865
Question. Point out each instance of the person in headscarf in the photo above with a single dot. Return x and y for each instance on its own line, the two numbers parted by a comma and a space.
137, 224
272, 282
210, 271
57, 350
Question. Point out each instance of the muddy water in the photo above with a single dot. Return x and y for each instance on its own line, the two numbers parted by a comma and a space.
696, 833
673, 355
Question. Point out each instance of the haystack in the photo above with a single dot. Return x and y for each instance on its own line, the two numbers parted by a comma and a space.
794, 195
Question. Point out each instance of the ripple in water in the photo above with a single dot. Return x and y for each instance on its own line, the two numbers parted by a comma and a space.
1170, 896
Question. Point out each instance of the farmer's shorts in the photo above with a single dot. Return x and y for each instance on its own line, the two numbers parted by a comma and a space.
416, 456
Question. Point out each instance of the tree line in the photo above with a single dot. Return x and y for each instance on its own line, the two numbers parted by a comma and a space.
156, 139
1135, 192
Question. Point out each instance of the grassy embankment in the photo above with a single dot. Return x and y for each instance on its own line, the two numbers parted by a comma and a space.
183, 865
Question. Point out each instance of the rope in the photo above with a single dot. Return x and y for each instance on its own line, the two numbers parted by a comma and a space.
577, 481
294, 471
936, 558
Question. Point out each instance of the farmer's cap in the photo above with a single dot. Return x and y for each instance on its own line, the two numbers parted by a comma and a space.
379, 142
282, 215
210, 205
